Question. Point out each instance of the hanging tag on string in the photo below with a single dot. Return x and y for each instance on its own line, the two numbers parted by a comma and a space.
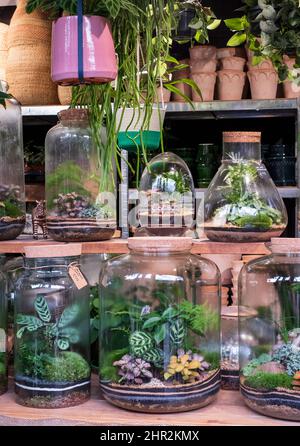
77, 276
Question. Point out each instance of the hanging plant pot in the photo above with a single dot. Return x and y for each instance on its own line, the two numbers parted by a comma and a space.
184, 31
130, 121
82, 51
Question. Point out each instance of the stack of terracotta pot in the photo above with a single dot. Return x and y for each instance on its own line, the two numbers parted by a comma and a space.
291, 89
3, 50
203, 64
231, 76
263, 79
29, 58
184, 88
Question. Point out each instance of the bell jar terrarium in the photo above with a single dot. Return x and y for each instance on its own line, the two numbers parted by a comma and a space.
269, 326
12, 185
166, 195
52, 329
81, 203
160, 327
242, 203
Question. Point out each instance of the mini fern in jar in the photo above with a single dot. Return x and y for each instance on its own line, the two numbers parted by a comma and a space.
160, 327
52, 345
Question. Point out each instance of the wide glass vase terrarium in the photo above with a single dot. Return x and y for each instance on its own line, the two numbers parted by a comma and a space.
12, 185
160, 327
52, 329
242, 203
3, 330
269, 326
166, 195
81, 204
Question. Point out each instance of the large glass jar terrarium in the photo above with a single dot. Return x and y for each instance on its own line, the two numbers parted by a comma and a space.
242, 203
81, 204
12, 186
166, 195
160, 327
3, 330
269, 326
52, 330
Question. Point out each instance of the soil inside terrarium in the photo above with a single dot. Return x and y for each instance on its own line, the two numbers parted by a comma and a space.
80, 230
50, 399
11, 228
230, 379
230, 233
159, 396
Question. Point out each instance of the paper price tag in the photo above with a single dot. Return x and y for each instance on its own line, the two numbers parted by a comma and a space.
77, 277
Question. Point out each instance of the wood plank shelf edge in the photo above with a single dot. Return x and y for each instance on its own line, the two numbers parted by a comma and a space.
119, 246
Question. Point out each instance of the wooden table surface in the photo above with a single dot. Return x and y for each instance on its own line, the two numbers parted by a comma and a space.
227, 410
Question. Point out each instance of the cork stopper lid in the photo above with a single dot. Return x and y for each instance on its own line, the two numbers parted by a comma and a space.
235, 311
74, 114
160, 244
284, 245
242, 137
50, 251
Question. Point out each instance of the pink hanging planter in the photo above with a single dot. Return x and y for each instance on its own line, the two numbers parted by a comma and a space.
99, 64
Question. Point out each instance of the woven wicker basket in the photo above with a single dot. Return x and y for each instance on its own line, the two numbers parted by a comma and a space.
3, 50
29, 58
65, 95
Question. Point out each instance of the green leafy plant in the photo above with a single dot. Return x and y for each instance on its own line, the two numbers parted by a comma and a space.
269, 381
204, 19
242, 201
58, 333
287, 355
199, 318
3, 97
271, 29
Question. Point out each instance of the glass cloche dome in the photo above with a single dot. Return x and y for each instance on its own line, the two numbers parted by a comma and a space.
166, 196
242, 203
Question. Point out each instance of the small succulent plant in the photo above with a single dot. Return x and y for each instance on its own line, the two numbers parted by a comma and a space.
133, 370
186, 367
70, 205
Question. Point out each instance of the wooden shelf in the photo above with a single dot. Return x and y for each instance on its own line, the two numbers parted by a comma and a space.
119, 246
227, 410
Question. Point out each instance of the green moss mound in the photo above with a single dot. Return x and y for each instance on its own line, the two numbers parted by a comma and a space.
68, 366
269, 381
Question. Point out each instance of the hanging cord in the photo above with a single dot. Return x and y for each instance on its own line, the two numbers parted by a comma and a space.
80, 40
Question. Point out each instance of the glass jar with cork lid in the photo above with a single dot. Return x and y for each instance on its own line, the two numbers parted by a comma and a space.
160, 327
80, 183
52, 329
242, 203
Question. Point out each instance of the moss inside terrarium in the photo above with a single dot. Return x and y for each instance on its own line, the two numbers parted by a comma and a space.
11, 204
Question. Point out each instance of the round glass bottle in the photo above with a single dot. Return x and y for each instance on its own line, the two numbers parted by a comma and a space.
3, 330
166, 196
81, 204
269, 331
160, 327
242, 203
52, 330
12, 184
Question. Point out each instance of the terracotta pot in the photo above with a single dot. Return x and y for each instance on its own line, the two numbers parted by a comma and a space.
99, 59
206, 82
263, 84
291, 90
200, 52
163, 94
203, 66
184, 88
289, 61
233, 63
230, 85
230, 52
263, 65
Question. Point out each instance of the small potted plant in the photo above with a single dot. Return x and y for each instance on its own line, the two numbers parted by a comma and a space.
82, 43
